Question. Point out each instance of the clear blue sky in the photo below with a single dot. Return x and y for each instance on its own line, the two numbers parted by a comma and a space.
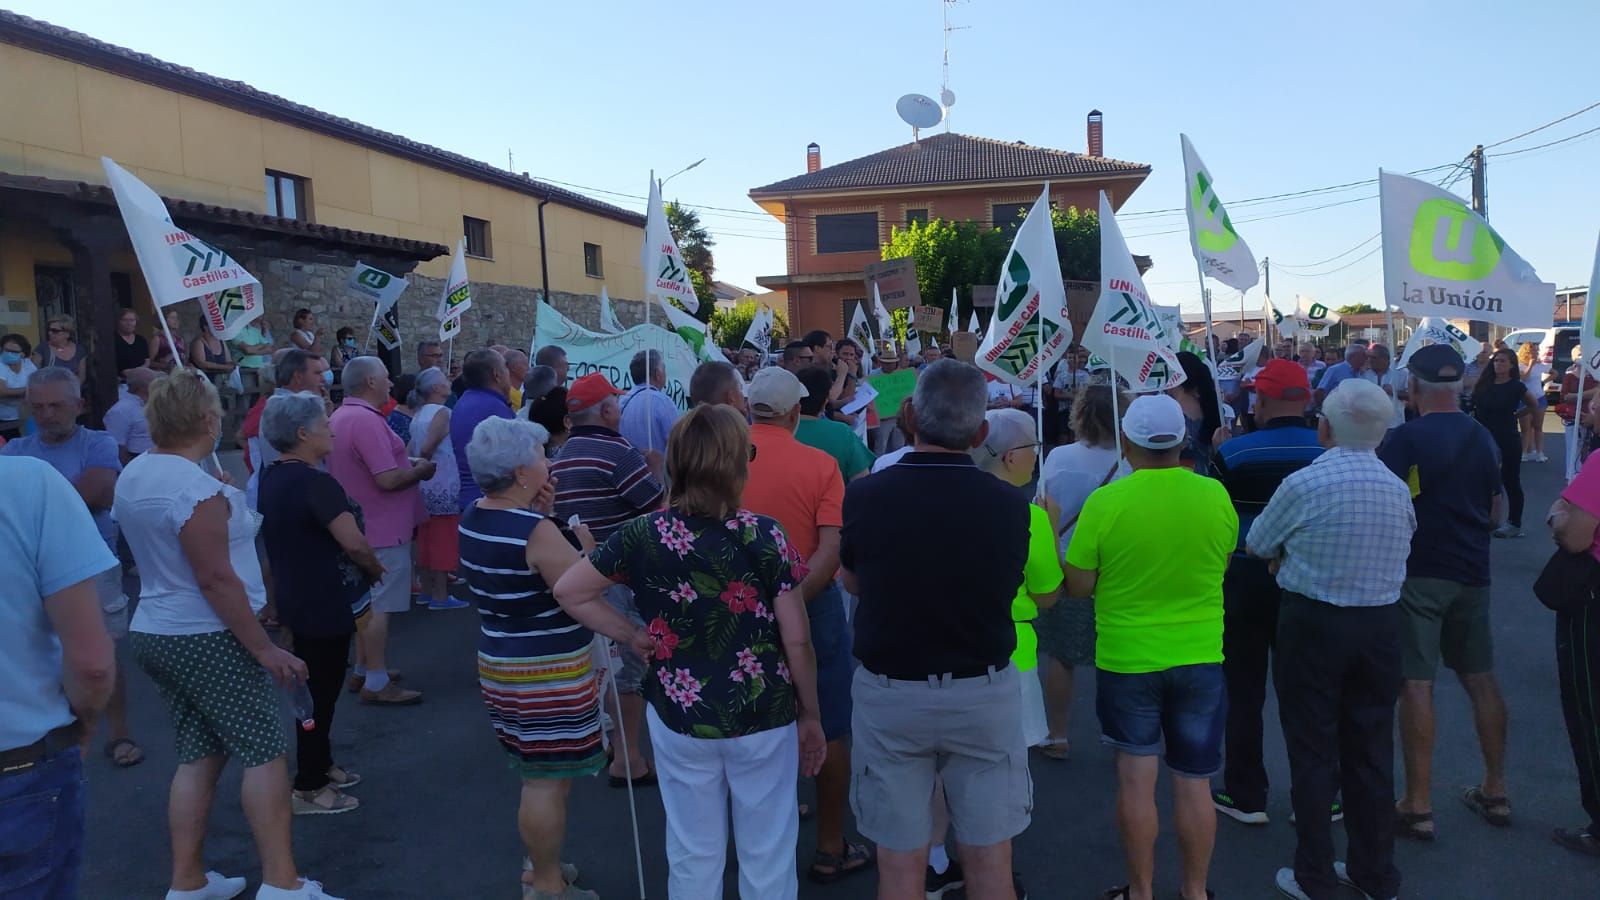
1276, 97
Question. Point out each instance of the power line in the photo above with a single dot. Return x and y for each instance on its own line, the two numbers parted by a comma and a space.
1554, 143
1542, 127
1329, 259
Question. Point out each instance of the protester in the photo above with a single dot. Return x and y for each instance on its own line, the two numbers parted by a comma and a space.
438, 553
539, 381
1069, 475
550, 413
1071, 374
833, 438
208, 353
61, 348
936, 686
195, 634
1158, 651
307, 334
734, 668
1534, 375
1197, 397
718, 382
88, 460
1568, 409
1337, 532
1353, 366
430, 355
165, 354
314, 535
906, 421
15, 367
556, 358
533, 659
59, 668
1393, 381
647, 411
801, 488
487, 382
131, 349
1310, 363
516, 371
1452, 467
125, 419
253, 344
294, 372
1573, 521
1495, 401
1252, 466
604, 481
798, 355
344, 347
371, 465
400, 417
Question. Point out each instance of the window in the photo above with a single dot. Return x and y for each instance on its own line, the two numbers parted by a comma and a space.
591, 261
916, 215
847, 232
477, 234
1008, 216
286, 196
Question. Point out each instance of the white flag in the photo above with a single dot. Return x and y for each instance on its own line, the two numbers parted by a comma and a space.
1125, 328
1311, 319
759, 334
665, 275
1029, 330
1434, 330
1222, 254
885, 323
858, 330
692, 330
1589, 336
608, 317
954, 309
1284, 326
972, 323
1442, 259
913, 345
377, 285
457, 296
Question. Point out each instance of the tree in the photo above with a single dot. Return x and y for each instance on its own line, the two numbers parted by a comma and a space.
695, 243
1355, 308
729, 326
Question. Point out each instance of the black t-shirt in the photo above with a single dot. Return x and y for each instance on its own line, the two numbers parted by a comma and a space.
1496, 406
314, 580
131, 356
1453, 468
938, 548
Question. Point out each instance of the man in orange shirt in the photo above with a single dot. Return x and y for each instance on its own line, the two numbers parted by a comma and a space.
801, 487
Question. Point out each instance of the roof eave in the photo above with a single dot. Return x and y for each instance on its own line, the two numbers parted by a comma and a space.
768, 193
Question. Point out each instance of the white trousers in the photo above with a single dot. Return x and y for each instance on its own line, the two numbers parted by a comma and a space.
697, 778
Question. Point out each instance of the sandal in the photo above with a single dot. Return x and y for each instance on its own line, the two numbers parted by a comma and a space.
569, 871
1494, 810
1408, 824
342, 778
827, 868
1055, 748
639, 781
132, 757
325, 802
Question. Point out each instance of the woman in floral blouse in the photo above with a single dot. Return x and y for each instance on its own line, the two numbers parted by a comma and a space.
732, 691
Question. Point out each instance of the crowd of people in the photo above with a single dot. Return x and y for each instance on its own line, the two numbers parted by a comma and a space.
733, 582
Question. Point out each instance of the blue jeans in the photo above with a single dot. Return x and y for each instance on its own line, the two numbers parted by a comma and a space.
1186, 707
830, 638
41, 829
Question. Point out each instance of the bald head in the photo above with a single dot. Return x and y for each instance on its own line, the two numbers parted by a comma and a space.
139, 380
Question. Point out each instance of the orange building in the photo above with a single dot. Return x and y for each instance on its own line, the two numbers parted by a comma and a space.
836, 218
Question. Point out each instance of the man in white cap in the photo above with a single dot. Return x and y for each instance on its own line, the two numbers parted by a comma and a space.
1151, 548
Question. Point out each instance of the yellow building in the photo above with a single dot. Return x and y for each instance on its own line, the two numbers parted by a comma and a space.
296, 195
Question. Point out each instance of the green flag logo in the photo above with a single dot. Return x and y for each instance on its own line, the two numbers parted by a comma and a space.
1317, 312
1208, 208
670, 270
231, 301
374, 279
1019, 276
1449, 241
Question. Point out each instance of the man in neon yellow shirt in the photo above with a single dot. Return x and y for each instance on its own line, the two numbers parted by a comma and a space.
1151, 549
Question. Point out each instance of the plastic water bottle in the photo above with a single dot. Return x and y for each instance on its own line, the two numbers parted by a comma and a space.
300, 704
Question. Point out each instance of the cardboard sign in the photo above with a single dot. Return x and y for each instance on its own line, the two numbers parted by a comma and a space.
965, 345
983, 295
896, 280
927, 318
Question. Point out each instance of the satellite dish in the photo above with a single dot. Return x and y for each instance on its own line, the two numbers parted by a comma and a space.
947, 98
919, 112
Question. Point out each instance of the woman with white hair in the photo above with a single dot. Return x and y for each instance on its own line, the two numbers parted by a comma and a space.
438, 550
316, 545
533, 659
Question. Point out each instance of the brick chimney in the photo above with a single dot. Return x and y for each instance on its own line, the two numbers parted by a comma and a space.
813, 157
1097, 134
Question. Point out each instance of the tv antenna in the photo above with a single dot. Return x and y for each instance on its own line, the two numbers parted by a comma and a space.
919, 112
947, 97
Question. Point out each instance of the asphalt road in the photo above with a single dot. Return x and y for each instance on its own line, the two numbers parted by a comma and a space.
437, 820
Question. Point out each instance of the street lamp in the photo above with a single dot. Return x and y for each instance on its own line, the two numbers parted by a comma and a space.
663, 182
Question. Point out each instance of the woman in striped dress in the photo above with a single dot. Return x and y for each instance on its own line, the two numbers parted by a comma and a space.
533, 659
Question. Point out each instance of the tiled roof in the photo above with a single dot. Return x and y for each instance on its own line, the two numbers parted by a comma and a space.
188, 210
68, 44
952, 159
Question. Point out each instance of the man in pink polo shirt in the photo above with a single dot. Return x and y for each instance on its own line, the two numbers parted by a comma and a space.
370, 463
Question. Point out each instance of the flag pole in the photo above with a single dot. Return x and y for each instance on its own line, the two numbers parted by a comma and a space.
1205, 300
177, 358
371, 326
1038, 412
1116, 417
1572, 441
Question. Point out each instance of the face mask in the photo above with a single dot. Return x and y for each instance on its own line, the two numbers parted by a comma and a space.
327, 378
10, 357
350, 343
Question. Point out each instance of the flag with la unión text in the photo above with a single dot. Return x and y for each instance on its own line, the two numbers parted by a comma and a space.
1217, 246
1440, 258
1434, 330
1029, 330
666, 278
457, 296
1125, 328
608, 317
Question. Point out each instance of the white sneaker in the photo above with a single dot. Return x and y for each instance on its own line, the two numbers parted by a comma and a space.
1343, 874
1540, 457
1288, 887
218, 887
309, 890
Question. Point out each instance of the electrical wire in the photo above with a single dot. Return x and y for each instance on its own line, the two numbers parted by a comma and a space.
1330, 259
1554, 143
1524, 134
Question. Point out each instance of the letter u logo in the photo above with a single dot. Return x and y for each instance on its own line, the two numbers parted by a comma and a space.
1449, 241
1209, 240
374, 279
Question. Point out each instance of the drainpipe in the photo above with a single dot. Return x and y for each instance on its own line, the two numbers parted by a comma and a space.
544, 258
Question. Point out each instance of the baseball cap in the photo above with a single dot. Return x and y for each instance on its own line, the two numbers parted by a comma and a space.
1155, 422
774, 391
589, 390
1281, 379
1437, 363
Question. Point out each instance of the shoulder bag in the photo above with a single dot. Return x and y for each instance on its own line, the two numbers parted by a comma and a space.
1568, 580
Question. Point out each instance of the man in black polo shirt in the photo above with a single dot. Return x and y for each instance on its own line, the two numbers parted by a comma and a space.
936, 693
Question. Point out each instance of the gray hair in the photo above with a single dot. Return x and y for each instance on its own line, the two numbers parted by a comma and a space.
56, 375
499, 446
284, 416
427, 380
357, 372
1359, 413
1354, 346
1420, 387
949, 404
1008, 430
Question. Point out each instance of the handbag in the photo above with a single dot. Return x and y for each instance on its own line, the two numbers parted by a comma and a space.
1568, 580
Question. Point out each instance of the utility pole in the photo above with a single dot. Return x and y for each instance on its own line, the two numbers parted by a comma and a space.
1266, 272
1480, 179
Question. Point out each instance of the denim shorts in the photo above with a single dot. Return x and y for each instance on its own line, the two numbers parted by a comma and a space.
1185, 707
830, 638
41, 829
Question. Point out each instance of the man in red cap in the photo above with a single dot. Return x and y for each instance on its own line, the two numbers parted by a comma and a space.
604, 481
1252, 466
